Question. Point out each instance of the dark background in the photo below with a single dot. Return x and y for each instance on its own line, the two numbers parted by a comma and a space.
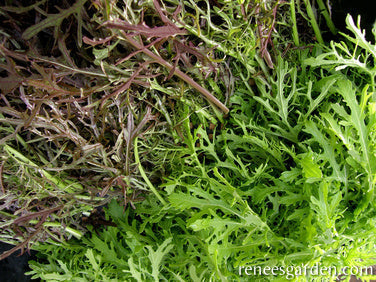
13, 267
364, 8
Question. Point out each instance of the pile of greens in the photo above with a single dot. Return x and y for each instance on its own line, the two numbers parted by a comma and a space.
285, 179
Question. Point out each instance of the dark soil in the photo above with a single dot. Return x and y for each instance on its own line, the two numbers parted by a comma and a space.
13, 268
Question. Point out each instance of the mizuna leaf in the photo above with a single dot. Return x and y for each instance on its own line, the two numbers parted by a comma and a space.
156, 257
134, 270
329, 149
90, 255
53, 20
183, 201
325, 89
326, 206
310, 168
357, 119
360, 38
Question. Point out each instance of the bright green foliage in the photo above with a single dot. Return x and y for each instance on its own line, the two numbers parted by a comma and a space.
291, 181
146, 248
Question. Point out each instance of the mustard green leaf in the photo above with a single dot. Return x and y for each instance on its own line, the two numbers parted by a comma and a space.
53, 20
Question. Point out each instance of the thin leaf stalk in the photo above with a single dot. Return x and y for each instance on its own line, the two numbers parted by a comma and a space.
179, 74
143, 174
295, 34
328, 19
313, 22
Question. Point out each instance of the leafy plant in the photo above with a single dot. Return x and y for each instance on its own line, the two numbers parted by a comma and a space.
288, 180
136, 250
291, 181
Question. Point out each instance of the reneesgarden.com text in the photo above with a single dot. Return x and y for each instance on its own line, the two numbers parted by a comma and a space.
291, 272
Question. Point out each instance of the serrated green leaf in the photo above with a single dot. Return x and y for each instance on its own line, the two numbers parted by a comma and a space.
291, 175
329, 152
358, 121
133, 268
310, 168
90, 255
156, 257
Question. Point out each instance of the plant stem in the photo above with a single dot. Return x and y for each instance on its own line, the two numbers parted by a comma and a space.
143, 174
295, 34
179, 74
313, 21
325, 13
